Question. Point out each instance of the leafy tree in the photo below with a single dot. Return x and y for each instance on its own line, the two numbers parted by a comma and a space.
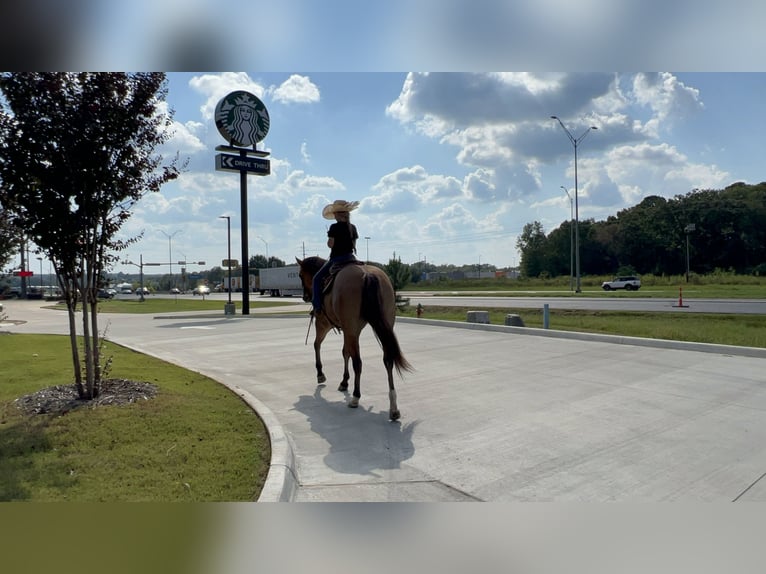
77, 151
532, 243
399, 273
9, 238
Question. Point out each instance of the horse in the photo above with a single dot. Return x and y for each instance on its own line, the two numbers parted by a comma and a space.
361, 295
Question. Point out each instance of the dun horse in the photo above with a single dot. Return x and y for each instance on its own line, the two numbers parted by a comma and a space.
361, 295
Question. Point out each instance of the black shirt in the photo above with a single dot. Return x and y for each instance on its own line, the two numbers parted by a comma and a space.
344, 235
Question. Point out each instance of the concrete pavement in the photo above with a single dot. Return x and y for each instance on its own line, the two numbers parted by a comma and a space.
491, 414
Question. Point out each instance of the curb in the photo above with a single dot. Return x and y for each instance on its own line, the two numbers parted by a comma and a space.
281, 483
757, 352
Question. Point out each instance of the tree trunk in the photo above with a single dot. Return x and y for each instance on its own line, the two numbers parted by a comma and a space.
70, 296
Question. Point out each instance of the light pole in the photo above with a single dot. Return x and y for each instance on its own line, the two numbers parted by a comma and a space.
42, 290
140, 266
688, 229
367, 239
266, 243
571, 238
170, 252
575, 142
228, 239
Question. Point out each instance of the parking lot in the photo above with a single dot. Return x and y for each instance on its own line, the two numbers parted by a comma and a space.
492, 415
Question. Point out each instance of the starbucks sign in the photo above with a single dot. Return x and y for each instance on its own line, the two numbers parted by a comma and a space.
242, 119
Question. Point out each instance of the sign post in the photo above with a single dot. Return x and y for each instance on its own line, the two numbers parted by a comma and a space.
243, 121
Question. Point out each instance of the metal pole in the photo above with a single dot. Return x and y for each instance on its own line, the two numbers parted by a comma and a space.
245, 262
228, 242
575, 143
687, 256
141, 275
577, 227
367, 239
571, 238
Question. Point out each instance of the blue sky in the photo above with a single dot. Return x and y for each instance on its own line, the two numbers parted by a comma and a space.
447, 167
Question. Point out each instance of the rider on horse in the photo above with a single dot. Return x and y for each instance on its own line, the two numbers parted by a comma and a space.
341, 239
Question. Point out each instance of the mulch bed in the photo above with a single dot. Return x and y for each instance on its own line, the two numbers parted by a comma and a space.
63, 398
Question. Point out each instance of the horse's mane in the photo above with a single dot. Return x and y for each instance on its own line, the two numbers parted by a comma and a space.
313, 264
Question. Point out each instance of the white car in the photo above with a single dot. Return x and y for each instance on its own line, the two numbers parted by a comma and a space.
629, 283
201, 290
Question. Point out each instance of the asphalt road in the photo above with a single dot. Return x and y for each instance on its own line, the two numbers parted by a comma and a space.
602, 303
501, 414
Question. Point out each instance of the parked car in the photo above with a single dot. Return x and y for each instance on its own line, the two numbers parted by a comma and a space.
175, 291
126, 291
105, 294
629, 283
201, 290
144, 290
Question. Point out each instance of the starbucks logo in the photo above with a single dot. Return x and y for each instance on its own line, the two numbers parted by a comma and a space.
242, 119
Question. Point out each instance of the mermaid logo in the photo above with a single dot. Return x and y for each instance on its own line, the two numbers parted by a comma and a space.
242, 119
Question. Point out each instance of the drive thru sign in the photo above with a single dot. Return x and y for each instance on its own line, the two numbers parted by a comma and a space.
226, 162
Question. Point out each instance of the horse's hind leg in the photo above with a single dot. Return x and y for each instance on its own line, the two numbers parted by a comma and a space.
393, 409
351, 350
346, 375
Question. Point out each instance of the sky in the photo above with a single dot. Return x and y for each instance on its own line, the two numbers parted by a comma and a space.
447, 167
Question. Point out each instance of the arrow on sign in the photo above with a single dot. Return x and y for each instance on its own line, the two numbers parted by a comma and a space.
256, 165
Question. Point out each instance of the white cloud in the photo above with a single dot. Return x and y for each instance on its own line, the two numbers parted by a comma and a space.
305, 156
668, 98
216, 86
296, 89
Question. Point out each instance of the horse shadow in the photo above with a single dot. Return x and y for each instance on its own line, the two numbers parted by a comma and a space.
362, 442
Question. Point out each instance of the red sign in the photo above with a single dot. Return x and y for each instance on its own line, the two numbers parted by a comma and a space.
22, 274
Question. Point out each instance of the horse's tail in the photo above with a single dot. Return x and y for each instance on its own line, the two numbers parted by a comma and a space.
373, 313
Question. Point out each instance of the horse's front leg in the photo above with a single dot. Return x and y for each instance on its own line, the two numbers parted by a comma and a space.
321, 333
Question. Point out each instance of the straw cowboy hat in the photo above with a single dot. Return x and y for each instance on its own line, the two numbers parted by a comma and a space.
330, 210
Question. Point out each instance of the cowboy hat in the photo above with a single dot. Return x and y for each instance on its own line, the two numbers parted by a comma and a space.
330, 210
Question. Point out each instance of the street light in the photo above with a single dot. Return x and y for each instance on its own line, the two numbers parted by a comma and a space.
42, 291
267, 248
688, 229
140, 266
170, 252
571, 237
575, 142
367, 239
228, 239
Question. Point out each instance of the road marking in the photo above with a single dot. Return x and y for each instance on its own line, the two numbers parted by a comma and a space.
198, 327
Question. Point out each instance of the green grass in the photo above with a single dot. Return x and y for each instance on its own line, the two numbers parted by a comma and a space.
162, 305
716, 286
724, 329
194, 441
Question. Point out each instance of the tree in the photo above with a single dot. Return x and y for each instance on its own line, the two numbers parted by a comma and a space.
399, 273
531, 244
77, 151
9, 238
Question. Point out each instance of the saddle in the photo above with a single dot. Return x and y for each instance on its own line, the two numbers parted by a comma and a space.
334, 270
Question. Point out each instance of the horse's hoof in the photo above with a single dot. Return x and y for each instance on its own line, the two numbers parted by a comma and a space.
343, 387
321, 379
353, 403
394, 416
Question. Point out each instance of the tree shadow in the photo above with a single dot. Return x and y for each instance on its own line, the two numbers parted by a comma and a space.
23, 461
361, 441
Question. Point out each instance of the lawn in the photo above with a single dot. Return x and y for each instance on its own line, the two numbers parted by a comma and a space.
194, 441
165, 305
723, 329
